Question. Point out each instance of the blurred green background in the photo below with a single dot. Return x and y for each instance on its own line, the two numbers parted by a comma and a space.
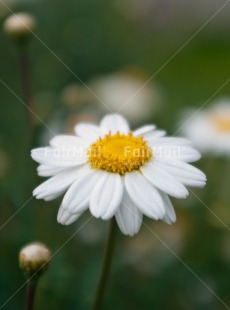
183, 266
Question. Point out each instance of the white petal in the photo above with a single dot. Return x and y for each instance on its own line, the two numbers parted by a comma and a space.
68, 141
144, 195
191, 182
59, 157
72, 219
51, 197
153, 136
163, 180
179, 168
58, 184
106, 196
171, 141
114, 123
128, 216
77, 197
143, 130
185, 173
87, 131
170, 215
175, 152
189, 155
48, 171
66, 218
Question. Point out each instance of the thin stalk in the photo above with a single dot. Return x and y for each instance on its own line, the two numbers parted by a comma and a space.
30, 294
106, 263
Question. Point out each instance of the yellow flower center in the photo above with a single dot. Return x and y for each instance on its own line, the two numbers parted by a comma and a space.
119, 153
222, 123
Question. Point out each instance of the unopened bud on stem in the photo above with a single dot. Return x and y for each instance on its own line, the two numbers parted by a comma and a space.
20, 27
34, 259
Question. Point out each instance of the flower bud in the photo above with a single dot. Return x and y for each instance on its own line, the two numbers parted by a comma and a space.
19, 26
34, 258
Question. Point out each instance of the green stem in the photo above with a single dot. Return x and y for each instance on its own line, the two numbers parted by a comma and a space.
30, 294
105, 265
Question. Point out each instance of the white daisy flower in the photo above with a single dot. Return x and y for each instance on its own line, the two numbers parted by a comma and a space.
116, 91
210, 129
116, 172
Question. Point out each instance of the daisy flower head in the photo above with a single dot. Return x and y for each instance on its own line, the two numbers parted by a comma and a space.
210, 129
113, 171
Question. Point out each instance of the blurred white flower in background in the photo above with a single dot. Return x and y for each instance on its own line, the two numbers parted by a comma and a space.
103, 94
75, 95
65, 122
125, 92
73, 105
209, 129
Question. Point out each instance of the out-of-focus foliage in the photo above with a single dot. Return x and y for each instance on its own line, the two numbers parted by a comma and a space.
184, 266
